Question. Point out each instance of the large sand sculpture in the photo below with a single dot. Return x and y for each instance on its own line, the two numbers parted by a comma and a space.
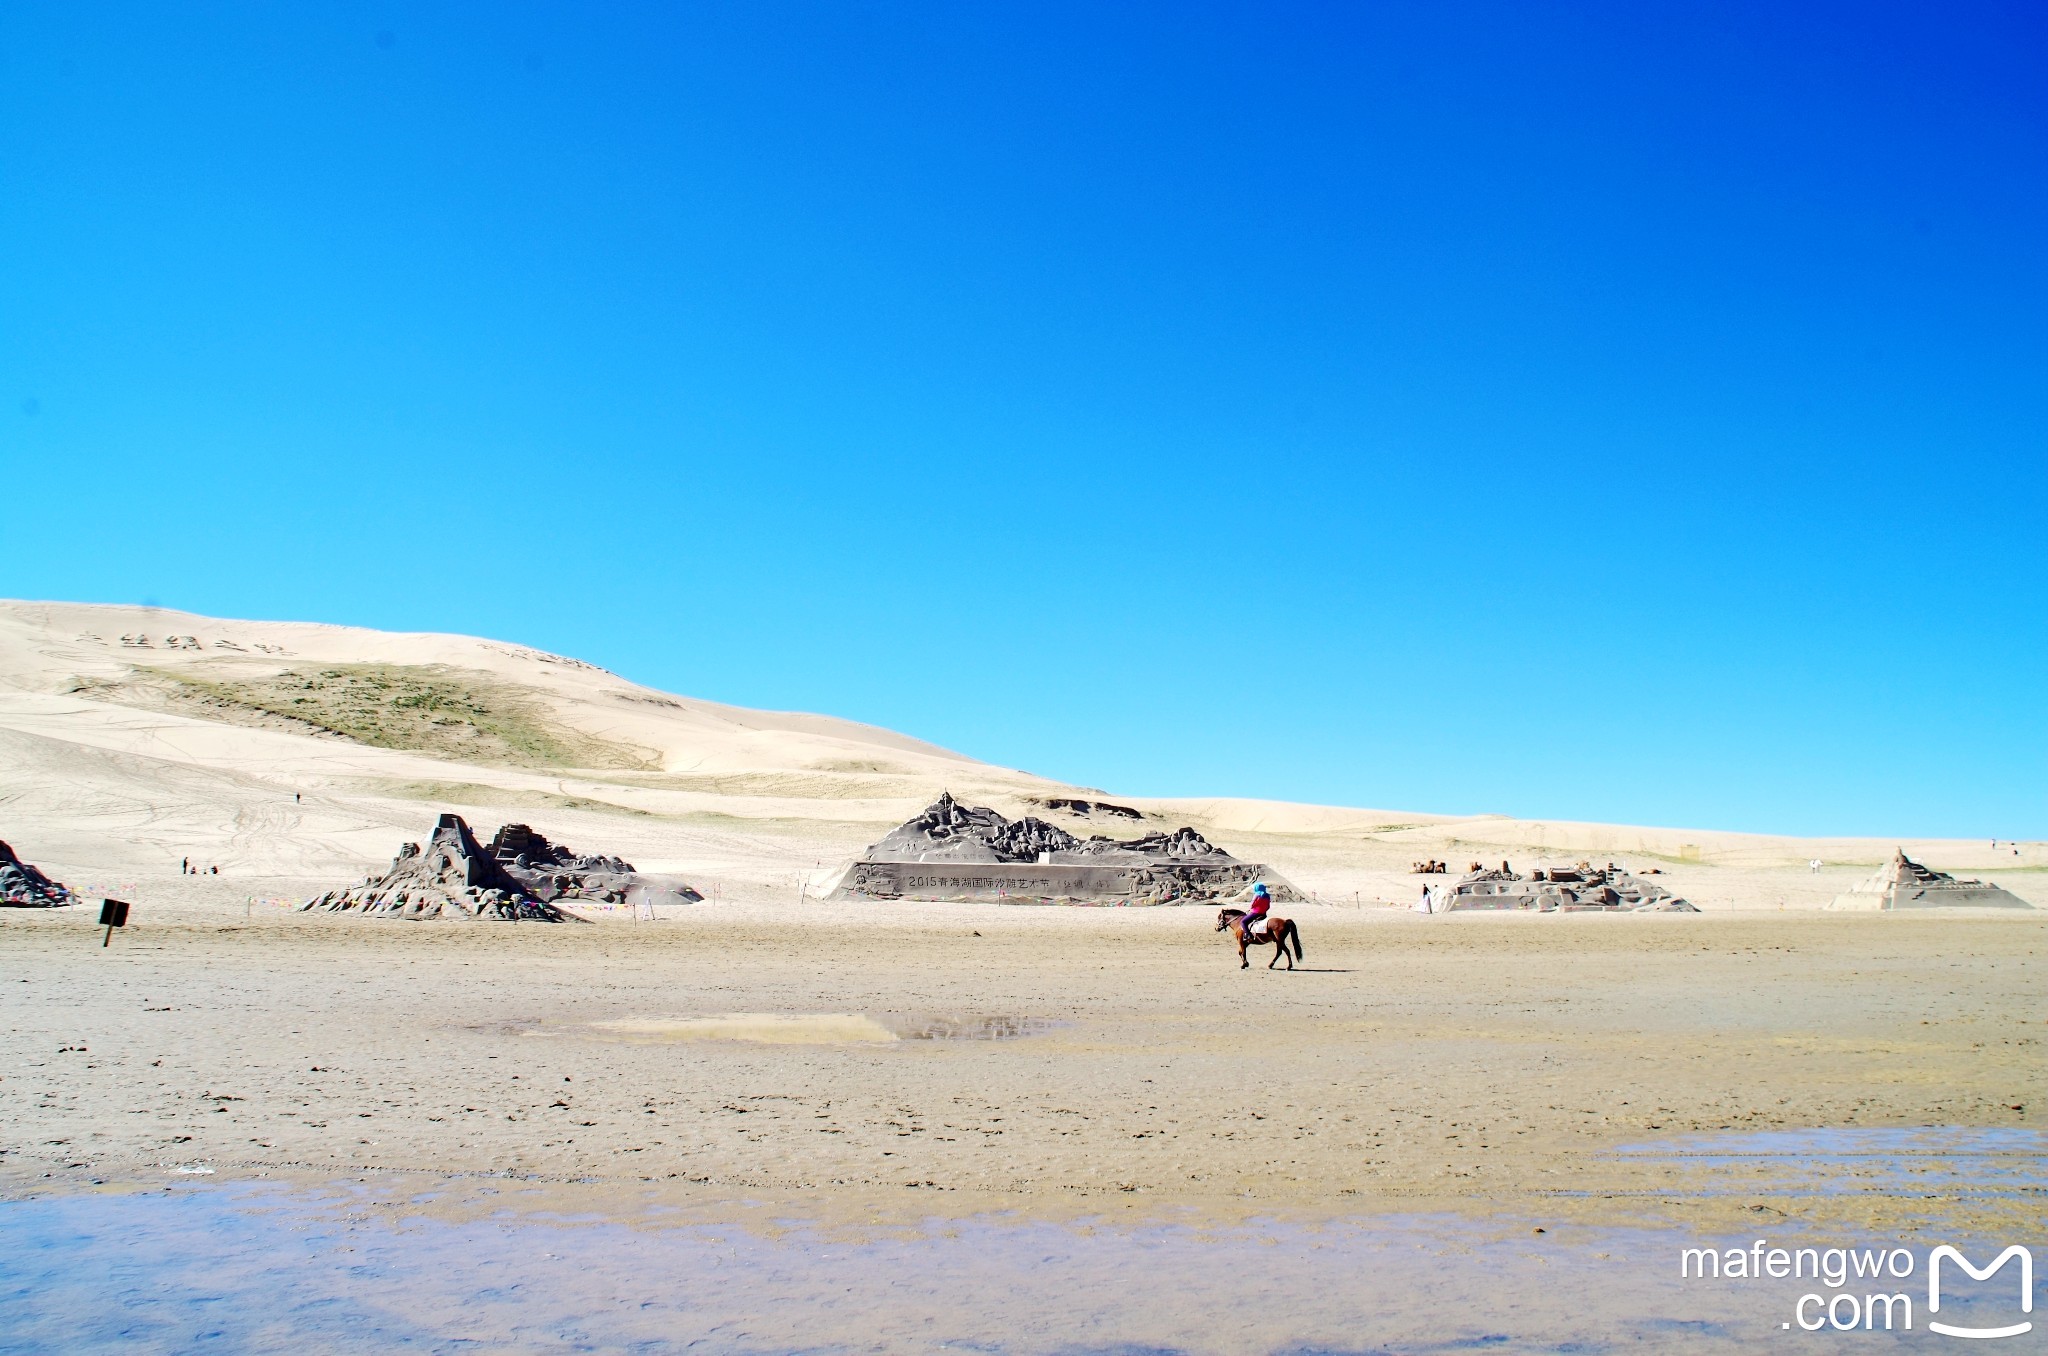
549, 871
955, 851
24, 887
521, 876
1903, 883
1583, 888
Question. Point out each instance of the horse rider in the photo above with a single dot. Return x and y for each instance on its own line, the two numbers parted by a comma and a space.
1261, 902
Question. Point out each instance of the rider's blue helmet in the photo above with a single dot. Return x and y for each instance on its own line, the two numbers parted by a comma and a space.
1258, 887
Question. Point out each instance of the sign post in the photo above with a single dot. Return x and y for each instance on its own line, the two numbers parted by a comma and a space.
113, 914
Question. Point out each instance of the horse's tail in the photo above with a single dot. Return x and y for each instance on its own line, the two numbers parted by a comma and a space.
1294, 935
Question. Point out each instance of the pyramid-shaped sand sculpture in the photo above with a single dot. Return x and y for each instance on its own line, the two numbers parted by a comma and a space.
521, 877
955, 851
24, 887
1583, 888
1903, 883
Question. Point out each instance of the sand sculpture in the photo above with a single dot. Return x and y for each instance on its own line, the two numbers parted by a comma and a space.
1583, 888
955, 851
24, 887
520, 877
550, 871
1903, 883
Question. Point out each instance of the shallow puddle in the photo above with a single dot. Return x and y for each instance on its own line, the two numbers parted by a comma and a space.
826, 1028
961, 1027
762, 1028
246, 1267
1965, 1163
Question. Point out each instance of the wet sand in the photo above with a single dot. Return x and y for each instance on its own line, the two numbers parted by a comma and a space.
1053, 1063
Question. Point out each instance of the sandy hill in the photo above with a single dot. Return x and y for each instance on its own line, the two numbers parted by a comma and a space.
299, 755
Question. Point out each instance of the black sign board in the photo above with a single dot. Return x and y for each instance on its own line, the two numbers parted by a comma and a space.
113, 914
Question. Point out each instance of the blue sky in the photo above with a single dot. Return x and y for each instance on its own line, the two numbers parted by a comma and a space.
1613, 412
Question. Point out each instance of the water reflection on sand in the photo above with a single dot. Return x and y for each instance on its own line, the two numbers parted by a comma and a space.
228, 1266
1960, 1164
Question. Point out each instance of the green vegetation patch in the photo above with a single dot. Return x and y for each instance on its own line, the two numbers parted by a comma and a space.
432, 709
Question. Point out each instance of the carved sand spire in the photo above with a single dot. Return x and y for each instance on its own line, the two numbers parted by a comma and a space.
24, 887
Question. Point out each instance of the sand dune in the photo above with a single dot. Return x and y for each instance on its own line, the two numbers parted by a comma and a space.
132, 738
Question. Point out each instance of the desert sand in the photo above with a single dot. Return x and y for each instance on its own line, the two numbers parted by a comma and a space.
751, 1050
870, 1060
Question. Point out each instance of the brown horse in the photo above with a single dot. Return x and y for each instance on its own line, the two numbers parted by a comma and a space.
1279, 931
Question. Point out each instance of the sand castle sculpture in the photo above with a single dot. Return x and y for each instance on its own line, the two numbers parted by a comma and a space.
955, 851
520, 877
24, 887
1583, 888
1903, 883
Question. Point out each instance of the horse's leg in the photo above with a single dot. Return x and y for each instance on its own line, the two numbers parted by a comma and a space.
1243, 940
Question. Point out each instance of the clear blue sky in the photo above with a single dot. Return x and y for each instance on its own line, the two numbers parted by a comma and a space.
1624, 412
